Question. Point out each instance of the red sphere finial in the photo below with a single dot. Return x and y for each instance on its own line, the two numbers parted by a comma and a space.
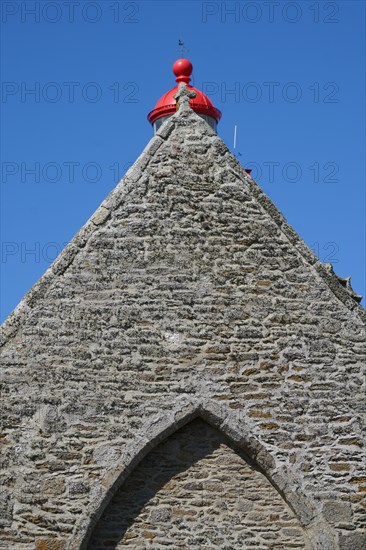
182, 68
167, 104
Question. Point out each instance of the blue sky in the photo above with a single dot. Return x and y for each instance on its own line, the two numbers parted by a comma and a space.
290, 75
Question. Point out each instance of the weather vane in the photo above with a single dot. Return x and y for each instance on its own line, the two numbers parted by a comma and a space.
182, 49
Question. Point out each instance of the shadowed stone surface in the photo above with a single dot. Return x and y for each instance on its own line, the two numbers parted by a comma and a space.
186, 291
194, 491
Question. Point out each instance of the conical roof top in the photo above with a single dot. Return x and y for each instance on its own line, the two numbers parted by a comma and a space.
200, 103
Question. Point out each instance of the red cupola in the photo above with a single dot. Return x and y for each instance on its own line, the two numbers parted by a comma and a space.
167, 105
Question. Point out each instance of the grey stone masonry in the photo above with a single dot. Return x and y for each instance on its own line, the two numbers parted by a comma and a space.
186, 298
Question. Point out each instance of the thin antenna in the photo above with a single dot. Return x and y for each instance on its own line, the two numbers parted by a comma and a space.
235, 153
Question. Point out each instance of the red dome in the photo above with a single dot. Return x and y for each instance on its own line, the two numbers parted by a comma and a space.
167, 105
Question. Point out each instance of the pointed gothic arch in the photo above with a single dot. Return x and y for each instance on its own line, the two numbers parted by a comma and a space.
319, 534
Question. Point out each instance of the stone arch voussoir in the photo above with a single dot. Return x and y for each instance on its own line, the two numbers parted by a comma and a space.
319, 534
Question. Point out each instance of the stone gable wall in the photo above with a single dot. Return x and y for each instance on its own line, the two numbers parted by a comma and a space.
185, 295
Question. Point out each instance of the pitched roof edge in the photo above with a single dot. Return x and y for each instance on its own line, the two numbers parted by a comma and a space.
330, 278
12, 323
